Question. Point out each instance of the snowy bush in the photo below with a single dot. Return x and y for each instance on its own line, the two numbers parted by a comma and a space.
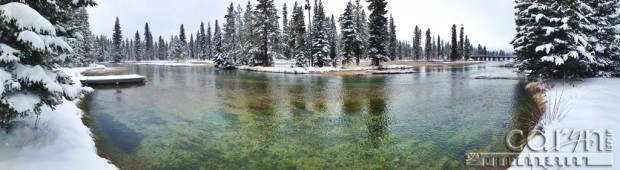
31, 48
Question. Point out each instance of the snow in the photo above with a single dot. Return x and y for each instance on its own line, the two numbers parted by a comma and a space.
57, 42
36, 74
289, 70
316, 70
62, 141
7, 54
26, 18
113, 77
544, 47
174, 63
33, 39
590, 105
22, 102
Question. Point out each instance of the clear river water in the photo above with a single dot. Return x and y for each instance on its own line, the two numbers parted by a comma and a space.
204, 118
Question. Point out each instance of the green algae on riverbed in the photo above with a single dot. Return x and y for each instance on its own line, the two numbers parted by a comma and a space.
202, 118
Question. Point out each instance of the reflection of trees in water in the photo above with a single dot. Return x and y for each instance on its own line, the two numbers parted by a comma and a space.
297, 93
319, 93
351, 99
377, 119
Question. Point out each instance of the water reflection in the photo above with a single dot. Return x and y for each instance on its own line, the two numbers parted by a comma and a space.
203, 118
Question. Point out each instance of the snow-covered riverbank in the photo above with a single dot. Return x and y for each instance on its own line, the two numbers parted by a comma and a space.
62, 141
589, 105
287, 69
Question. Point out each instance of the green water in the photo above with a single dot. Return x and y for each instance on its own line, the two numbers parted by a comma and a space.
203, 118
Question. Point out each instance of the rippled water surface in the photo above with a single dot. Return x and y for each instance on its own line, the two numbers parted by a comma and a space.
203, 118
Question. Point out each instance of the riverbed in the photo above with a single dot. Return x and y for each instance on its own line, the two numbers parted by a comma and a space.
204, 118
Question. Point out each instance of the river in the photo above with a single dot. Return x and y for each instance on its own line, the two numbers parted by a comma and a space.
204, 118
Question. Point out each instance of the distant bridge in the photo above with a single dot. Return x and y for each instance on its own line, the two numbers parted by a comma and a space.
492, 58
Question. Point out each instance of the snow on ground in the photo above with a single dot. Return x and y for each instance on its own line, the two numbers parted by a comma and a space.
112, 77
287, 69
590, 105
174, 63
61, 141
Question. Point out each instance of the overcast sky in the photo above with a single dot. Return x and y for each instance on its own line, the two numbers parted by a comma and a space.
487, 22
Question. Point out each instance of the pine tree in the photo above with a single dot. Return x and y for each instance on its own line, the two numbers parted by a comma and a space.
266, 24
178, 51
350, 38
137, 47
428, 45
467, 50
148, 43
287, 50
84, 49
248, 43
603, 39
218, 49
182, 37
454, 53
209, 42
298, 27
362, 24
552, 45
333, 39
378, 32
320, 43
393, 41
161, 49
417, 42
29, 69
439, 47
227, 59
201, 42
191, 46
117, 37
461, 42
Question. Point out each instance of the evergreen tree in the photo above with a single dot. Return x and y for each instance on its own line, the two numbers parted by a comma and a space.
439, 47
84, 49
209, 42
298, 27
201, 42
467, 50
350, 38
603, 39
417, 42
178, 50
393, 41
227, 59
117, 37
29, 68
461, 42
268, 31
287, 50
454, 53
182, 37
248, 43
362, 26
378, 32
333, 39
218, 49
428, 45
161, 49
320, 43
191, 46
552, 45
137, 47
148, 43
